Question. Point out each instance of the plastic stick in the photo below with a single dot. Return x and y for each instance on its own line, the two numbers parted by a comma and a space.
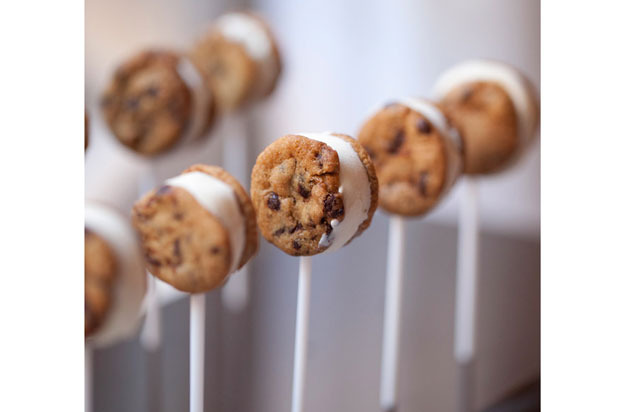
301, 336
466, 288
392, 313
196, 352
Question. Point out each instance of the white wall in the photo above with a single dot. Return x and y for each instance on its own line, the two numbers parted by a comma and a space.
344, 57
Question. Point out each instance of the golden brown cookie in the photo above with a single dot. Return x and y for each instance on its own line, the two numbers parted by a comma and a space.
100, 270
417, 155
495, 109
240, 58
156, 99
313, 192
197, 228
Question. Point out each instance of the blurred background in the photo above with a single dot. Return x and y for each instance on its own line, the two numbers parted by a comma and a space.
341, 58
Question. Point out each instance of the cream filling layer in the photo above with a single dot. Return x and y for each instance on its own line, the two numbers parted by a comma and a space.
354, 187
250, 33
439, 121
502, 74
129, 286
218, 198
201, 98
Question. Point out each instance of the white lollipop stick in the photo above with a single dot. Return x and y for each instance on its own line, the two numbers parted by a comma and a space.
467, 275
235, 293
392, 313
302, 327
150, 337
196, 352
88, 373
151, 331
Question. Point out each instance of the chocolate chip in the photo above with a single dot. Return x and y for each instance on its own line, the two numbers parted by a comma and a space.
131, 104
303, 192
318, 157
423, 126
397, 141
152, 261
467, 93
422, 183
178, 216
333, 206
329, 229
140, 216
152, 91
279, 231
298, 226
177, 249
215, 250
296, 245
164, 190
273, 202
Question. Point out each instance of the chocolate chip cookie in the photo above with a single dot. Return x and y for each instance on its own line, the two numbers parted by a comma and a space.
495, 109
196, 228
313, 192
417, 155
240, 57
155, 99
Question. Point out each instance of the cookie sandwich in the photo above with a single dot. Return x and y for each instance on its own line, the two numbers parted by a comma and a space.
196, 229
115, 278
416, 153
495, 109
157, 99
240, 58
313, 192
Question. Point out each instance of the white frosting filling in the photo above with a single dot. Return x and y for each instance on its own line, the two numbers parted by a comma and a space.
130, 284
354, 186
219, 199
507, 77
201, 98
438, 120
250, 33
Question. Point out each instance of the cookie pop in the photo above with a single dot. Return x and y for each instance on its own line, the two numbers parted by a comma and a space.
240, 58
416, 152
115, 279
196, 229
417, 155
156, 100
114, 283
495, 108
313, 193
